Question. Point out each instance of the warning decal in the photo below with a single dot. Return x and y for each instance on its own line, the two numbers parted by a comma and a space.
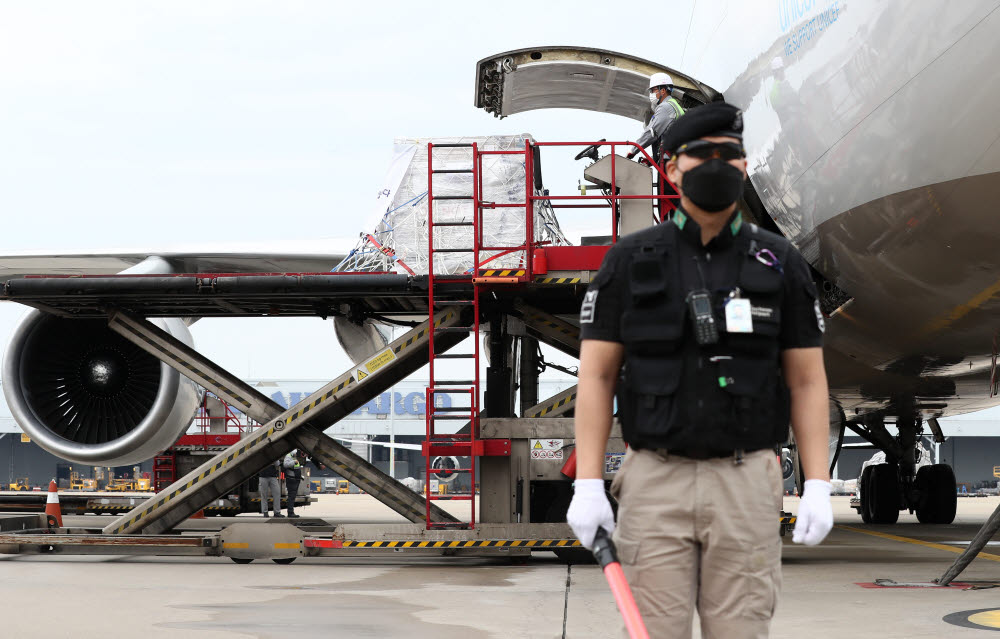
613, 462
374, 363
546, 448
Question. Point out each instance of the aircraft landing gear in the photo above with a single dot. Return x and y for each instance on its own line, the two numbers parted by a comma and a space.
885, 489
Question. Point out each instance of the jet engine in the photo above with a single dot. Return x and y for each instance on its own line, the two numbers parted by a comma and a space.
86, 394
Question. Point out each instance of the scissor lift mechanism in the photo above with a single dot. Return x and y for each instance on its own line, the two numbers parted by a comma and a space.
300, 426
144, 530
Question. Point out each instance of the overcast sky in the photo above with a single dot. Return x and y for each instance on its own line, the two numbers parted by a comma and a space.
160, 125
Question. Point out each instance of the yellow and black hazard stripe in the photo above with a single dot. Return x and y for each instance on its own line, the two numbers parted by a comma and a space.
320, 399
562, 327
110, 508
502, 273
548, 408
413, 338
350, 473
557, 280
244, 403
479, 543
165, 498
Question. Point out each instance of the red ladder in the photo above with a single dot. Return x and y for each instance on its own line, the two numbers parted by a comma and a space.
164, 470
453, 444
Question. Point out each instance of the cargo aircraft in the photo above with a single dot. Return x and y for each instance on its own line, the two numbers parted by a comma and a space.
872, 141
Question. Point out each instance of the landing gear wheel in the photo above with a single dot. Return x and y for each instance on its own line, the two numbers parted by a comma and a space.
864, 483
939, 498
884, 493
787, 467
241, 560
284, 561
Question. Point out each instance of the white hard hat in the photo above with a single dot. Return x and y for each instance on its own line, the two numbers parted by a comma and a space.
659, 80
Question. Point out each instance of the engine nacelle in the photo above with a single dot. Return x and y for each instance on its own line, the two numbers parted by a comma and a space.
86, 394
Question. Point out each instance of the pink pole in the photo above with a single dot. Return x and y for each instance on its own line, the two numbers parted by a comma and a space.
604, 552
626, 603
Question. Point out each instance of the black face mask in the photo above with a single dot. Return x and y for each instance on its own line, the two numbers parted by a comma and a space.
713, 185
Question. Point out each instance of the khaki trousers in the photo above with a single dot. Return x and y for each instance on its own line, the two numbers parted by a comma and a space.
701, 533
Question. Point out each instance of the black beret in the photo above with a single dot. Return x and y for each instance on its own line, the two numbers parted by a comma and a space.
714, 118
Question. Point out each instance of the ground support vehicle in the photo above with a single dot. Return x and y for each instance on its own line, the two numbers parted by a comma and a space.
20, 484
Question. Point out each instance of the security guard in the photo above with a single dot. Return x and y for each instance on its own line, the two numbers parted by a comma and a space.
713, 326
666, 110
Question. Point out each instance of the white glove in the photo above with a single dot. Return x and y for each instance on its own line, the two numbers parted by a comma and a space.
589, 510
815, 518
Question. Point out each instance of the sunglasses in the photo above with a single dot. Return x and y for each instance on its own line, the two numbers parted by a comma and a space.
704, 150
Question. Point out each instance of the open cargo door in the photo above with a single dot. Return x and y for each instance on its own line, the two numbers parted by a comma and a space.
576, 78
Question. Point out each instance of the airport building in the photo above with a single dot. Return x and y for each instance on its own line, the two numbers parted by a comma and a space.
396, 416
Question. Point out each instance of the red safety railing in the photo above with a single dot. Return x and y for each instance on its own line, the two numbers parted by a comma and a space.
667, 201
665, 198
209, 425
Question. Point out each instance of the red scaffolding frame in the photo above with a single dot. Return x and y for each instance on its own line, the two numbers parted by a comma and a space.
468, 444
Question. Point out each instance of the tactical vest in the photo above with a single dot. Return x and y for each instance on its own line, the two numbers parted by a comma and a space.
674, 393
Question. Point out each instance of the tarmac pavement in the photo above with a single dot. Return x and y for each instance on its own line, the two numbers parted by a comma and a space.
417, 597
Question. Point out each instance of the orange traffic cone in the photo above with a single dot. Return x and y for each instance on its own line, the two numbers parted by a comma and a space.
198, 515
52, 503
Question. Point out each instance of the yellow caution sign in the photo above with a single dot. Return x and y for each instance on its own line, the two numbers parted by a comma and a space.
25, 439
538, 445
374, 363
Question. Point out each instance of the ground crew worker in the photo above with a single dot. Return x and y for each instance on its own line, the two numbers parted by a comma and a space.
665, 111
718, 326
293, 477
269, 488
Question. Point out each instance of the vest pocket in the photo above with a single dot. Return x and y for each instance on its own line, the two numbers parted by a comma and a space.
758, 408
653, 330
647, 396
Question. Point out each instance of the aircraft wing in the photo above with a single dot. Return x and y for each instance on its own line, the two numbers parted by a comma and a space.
292, 257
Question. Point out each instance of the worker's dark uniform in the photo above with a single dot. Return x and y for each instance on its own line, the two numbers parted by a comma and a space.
293, 477
695, 526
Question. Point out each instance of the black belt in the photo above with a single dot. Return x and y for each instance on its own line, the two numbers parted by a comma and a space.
698, 453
